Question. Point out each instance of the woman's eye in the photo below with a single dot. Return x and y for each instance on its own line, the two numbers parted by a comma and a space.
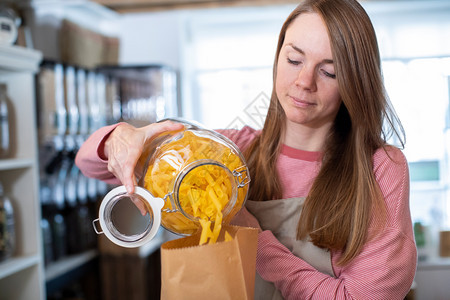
293, 62
328, 74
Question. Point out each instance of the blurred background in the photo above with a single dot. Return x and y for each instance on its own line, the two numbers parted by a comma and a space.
68, 67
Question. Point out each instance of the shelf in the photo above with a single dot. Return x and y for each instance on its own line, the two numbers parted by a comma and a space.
68, 270
65, 265
16, 59
17, 264
86, 7
21, 276
130, 6
434, 263
10, 164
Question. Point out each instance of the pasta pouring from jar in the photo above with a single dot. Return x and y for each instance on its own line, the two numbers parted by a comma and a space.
193, 179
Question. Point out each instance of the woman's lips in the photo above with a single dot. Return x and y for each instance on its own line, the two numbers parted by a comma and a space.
302, 103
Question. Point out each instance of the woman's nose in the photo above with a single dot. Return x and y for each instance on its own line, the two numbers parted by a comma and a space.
306, 78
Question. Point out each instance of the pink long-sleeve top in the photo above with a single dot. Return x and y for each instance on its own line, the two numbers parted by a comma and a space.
384, 269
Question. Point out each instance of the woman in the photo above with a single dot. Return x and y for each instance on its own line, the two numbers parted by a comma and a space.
330, 196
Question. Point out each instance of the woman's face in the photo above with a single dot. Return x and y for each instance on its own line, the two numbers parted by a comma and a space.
306, 83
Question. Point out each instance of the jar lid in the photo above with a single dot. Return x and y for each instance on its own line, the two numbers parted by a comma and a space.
129, 220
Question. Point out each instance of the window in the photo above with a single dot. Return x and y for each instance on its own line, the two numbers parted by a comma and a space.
419, 90
229, 65
230, 75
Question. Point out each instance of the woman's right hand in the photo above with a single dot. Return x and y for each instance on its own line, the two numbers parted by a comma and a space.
124, 147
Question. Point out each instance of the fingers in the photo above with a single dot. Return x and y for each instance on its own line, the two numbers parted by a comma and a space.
125, 145
123, 150
140, 206
123, 170
155, 129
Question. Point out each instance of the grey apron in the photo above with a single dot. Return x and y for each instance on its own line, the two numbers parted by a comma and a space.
281, 217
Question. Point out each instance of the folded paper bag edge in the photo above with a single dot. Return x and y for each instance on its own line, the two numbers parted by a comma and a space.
249, 255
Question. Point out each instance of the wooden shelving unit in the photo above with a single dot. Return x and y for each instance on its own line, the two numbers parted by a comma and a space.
21, 277
24, 276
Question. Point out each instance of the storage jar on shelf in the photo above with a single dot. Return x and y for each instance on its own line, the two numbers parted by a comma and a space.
7, 227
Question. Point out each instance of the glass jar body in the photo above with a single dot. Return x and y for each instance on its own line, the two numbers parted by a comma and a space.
193, 170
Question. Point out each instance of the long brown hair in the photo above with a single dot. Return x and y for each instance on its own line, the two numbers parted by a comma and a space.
338, 208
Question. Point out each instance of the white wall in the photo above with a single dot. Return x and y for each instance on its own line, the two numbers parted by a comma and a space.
151, 38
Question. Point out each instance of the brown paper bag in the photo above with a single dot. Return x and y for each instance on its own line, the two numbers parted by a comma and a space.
224, 270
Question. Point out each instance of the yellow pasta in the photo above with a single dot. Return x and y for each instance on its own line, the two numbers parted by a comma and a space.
204, 193
227, 237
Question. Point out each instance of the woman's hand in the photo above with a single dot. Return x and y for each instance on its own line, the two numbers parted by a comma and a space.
245, 219
124, 147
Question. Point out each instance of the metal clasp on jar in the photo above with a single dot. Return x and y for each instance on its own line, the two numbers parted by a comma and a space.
242, 176
167, 210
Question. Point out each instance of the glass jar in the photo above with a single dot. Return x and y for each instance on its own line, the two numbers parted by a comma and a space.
9, 24
5, 130
7, 227
188, 175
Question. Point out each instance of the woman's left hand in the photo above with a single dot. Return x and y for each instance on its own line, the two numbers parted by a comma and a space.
245, 219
